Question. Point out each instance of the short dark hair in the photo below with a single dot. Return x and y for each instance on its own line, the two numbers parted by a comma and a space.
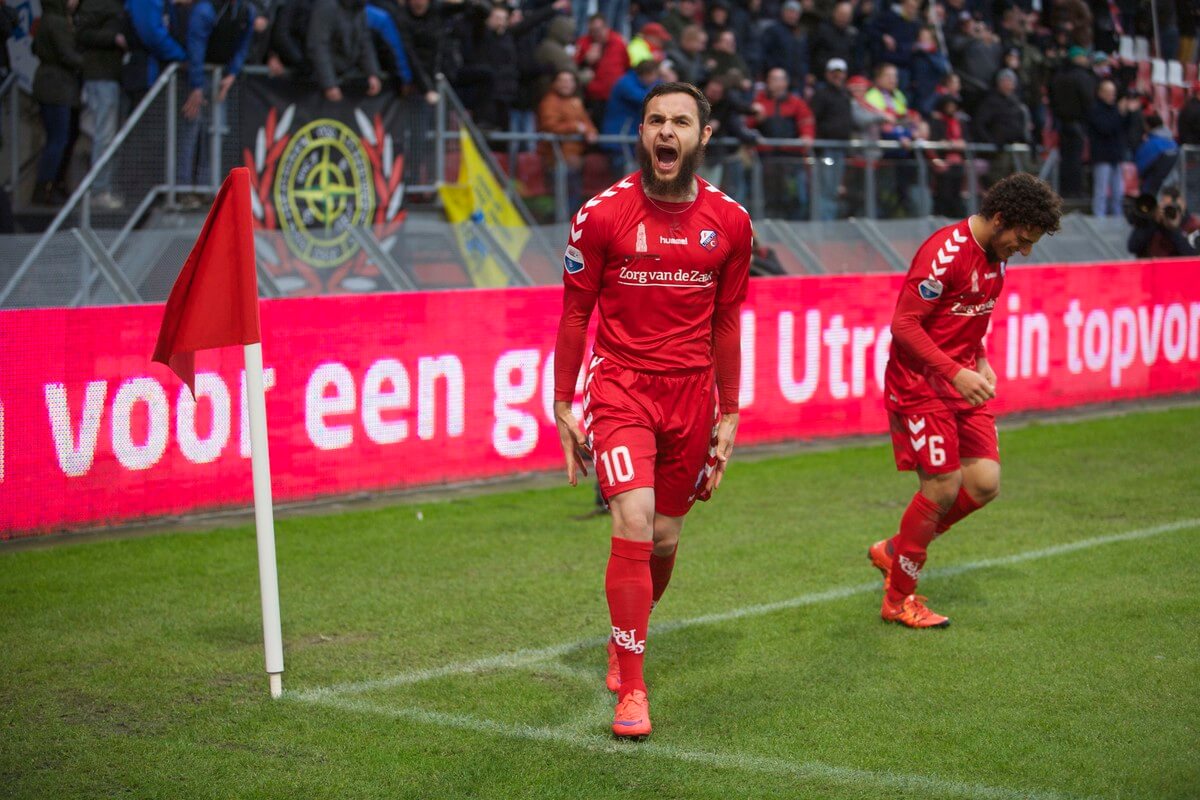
1022, 199
703, 108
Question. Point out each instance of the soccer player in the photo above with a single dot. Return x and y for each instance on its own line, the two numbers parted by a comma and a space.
666, 258
938, 380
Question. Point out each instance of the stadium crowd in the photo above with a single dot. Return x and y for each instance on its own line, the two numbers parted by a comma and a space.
1001, 72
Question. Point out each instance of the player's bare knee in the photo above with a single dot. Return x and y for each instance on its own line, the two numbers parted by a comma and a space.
666, 536
985, 490
942, 489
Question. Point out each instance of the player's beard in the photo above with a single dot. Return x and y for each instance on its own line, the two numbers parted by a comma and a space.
681, 184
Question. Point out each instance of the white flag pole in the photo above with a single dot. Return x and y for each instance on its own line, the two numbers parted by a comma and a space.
264, 517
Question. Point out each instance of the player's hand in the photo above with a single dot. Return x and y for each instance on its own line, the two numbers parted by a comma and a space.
726, 432
574, 445
374, 86
975, 388
984, 368
333, 94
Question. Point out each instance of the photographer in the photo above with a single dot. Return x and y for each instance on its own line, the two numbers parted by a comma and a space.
1163, 229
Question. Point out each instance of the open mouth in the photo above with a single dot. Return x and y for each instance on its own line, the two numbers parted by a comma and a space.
665, 157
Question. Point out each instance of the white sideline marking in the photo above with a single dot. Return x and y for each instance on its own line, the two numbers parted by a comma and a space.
524, 658
826, 774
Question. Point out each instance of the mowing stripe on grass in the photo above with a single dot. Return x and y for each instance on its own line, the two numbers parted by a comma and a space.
528, 657
811, 771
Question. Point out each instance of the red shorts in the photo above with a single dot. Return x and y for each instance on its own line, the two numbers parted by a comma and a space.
935, 438
648, 429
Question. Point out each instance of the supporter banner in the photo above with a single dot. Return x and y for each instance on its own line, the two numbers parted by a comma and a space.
320, 168
385, 391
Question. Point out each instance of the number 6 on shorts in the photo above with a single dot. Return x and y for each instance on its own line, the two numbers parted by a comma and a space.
617, 464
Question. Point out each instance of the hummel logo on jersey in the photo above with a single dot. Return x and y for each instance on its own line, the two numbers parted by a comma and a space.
628, 640
708, 239
911, 568
672, 240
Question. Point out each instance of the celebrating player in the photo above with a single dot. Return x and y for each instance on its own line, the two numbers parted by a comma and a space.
666, 256
938, 379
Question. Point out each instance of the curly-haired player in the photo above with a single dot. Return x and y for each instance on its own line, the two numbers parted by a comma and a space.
938, 379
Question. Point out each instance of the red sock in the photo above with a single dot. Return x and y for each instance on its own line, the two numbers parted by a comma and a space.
964, 504
918, 527
629, 588
660, 574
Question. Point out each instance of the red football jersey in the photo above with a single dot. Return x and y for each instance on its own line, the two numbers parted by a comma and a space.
658, 271
957, 288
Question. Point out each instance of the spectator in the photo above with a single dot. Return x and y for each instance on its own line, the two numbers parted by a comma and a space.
785, 45
687, 54
1157, 155
604, 59
493, 71
432, 47
623, 112
977, 55
1002, 120
1075, 18
867, 118
1188, 122
897, 181
832, 109
1071, 95
158, 29
551, 55
1166, 231
340, 47
946, 125
1106, 135
561, 112
288, 37
836, 38
679, 15
213, 37
722, 58
102, 46
894, 37
9, 20
649, 43
929, 66
782, 114
727, 121
389, 44
56, 89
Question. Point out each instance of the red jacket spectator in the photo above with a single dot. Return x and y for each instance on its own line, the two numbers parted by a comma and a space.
603, 51
784, 115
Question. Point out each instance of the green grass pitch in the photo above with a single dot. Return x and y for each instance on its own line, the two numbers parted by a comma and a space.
455, 653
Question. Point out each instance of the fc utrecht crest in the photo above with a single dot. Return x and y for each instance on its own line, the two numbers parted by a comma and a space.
708, 239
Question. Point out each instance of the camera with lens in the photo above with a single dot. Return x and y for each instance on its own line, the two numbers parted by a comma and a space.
1144, 210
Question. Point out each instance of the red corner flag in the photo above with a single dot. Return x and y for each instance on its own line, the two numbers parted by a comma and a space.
214, 302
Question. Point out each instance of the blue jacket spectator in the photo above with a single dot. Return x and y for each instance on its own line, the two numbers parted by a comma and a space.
623, 113
1156, 156
382, 25
222, 39
154, 21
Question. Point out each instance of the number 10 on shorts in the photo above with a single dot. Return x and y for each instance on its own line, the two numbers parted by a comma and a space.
618, 464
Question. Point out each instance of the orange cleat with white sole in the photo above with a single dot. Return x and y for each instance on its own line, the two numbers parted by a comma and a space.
880, 554
613, 678
632, 717
913, 612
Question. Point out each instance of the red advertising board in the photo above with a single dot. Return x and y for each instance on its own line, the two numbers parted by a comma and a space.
398, 390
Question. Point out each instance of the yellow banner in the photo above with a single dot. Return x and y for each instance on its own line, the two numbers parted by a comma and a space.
479, 199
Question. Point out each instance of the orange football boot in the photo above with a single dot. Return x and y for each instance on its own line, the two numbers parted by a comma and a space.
880, 554
913, 612
632, 717
613, 678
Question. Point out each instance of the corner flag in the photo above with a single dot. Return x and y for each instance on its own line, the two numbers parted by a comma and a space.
214, 303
